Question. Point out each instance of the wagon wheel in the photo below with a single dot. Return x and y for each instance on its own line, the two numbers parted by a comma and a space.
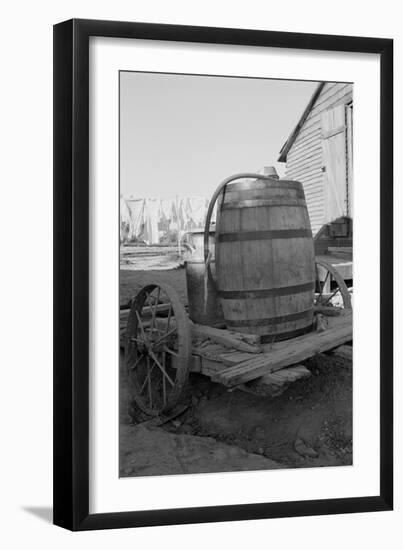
330, 289
157, 348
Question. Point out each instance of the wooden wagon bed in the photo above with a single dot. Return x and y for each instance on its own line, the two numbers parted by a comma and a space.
232, 368
214, 356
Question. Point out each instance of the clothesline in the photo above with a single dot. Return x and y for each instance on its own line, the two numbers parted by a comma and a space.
154, 220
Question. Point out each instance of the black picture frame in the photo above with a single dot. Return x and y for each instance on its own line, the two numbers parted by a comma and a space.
71, 273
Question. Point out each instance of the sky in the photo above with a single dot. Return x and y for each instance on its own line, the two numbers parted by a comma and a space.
183, 134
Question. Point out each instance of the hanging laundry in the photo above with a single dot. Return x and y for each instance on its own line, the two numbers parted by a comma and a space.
196, 211
153, 220
151, 233
138, 219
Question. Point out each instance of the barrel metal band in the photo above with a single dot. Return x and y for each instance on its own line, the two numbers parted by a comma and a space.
270, 320
265, 292
256, 203
272, 193
279, 336
263, 235
262, 184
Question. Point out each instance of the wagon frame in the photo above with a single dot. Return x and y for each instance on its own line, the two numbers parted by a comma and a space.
162, 345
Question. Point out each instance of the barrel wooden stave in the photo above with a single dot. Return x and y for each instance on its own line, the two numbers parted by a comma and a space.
265, 253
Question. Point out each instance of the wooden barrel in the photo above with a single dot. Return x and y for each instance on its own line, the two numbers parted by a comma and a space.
265, 260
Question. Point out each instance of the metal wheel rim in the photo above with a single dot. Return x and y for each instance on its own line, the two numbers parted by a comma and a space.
149, 353
341, 285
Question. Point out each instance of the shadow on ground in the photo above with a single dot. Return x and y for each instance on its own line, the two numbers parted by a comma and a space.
45, 513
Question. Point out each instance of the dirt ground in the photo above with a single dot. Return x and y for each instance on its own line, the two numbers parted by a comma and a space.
309, 425
131, 281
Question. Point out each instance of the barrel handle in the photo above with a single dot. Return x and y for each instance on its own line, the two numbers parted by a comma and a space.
216, 194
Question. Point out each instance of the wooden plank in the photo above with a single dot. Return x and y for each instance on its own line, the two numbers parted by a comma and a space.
340, 250
210, 351
235, 357
291, 374
211, 368
344, 351
249, 343
283, 354
276, 383
329, 311
227, 338
246, 337
283, 376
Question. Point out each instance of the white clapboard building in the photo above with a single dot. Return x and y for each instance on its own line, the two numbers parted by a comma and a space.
319, 154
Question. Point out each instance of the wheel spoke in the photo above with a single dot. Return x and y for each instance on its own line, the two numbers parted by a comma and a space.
324, 282
321, 288
317, 276
136, 363
143, 385
320, 291
167, 350
164, 336
154, 309
142, 328
138, 340
154, 358
331, 296
336, 277
146, 378
156, 366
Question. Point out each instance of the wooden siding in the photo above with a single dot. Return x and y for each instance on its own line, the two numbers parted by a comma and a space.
305, 157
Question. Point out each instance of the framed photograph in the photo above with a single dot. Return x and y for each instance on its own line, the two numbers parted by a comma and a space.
222, 203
